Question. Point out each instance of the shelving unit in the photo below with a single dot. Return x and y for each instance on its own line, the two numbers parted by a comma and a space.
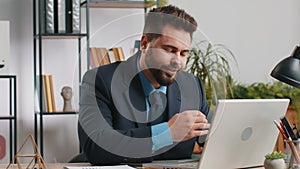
38, 37
12, 114
120, 4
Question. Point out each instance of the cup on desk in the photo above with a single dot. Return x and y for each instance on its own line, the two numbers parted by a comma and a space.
290, 160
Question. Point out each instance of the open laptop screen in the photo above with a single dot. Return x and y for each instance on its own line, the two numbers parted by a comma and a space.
242, 132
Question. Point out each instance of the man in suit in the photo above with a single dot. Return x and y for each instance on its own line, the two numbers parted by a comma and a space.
147, 107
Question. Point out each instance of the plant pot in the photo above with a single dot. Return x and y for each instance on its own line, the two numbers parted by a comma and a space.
274, 163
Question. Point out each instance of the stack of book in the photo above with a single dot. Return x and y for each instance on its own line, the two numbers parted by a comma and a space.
102, 56
48, 100
61, 16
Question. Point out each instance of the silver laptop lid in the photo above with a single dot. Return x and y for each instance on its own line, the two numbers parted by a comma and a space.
242, 133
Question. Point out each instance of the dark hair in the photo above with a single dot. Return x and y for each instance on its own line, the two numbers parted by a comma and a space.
157, 18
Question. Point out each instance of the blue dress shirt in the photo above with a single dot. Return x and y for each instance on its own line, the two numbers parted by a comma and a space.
161, 135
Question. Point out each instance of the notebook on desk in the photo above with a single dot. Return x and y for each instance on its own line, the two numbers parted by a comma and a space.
242, 133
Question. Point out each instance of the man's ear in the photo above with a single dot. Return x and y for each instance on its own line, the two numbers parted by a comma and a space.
144, 42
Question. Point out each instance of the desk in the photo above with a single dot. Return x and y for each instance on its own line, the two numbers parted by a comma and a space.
48, 165
60, 165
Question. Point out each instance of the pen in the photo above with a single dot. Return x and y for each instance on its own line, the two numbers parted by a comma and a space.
285, 130
289, 141
285, 122
281, 130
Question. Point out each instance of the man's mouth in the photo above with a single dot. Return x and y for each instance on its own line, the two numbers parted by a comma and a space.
170, 72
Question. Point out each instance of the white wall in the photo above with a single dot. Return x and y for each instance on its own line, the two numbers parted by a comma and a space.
260, 33
19, 15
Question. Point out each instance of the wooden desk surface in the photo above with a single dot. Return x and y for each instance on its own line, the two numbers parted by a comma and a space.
48, 165
59, 165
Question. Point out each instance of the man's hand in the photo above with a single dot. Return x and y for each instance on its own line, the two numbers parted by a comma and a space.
188, 124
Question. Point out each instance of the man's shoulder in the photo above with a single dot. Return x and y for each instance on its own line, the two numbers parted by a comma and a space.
104, 68
186, 76
104, 71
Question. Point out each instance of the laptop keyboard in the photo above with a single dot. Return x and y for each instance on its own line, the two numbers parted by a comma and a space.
189, 164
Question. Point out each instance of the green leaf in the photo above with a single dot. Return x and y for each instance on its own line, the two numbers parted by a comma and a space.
275, 155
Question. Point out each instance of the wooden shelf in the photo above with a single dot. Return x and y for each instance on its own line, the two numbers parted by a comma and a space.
62, 35
119, 4
57, 113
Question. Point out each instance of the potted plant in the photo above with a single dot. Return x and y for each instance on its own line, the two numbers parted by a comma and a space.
211, 63
158, 3
274, 160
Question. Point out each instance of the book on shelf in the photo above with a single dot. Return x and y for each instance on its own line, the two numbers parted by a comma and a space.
52, 93
98, 57
136, 47
112, 56
101, 56
46, 85
119, 54
49, 93
93, 57
47, 7
69, 16
40, 88
76, 16
61, 5
61, 16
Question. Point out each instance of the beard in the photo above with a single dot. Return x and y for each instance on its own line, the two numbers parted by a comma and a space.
162, 77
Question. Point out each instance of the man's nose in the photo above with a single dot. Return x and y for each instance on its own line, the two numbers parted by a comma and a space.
176, 61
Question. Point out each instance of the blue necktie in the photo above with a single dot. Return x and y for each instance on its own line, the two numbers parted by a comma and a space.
158, 102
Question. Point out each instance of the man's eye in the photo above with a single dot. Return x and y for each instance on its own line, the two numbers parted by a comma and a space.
184, 53
170, 50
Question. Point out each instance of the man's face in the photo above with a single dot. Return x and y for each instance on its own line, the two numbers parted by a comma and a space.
166, 55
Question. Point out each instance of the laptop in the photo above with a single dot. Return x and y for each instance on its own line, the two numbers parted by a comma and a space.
242, 132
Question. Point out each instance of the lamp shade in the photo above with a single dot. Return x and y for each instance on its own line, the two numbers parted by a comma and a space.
288, 70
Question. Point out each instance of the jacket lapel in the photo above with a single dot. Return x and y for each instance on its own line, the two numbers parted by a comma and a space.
185, 97
174, 99
127, 81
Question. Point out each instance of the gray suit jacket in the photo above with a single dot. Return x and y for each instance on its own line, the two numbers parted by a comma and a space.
112, 128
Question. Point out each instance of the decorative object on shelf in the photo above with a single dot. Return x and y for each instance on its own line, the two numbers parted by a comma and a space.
210, 62
2, 147
66, 93
37, 159
274, 160
4, 47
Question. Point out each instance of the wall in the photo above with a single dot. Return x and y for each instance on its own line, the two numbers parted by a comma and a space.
260, 33
19, 15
